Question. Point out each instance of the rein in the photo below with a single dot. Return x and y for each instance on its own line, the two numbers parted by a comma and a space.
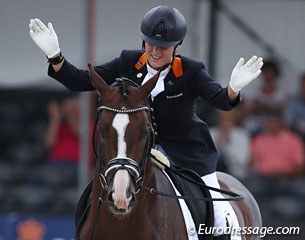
234, 196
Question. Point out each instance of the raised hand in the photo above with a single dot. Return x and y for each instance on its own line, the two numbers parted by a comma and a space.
45, 37
243, 74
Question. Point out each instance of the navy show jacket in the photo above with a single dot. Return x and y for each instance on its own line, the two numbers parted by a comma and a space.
181, 133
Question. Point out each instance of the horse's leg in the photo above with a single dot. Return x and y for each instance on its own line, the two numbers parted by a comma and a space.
247, 210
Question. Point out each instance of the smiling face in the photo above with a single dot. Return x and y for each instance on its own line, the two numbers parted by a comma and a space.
158, 56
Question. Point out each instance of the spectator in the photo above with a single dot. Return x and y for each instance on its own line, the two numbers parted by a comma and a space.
233, 144
268, 97
62, 136
278, 151
294, 112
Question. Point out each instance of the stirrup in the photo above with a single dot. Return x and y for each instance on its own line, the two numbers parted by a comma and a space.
222, 237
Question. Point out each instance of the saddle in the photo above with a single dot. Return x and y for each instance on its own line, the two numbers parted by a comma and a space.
185, 182
202, 211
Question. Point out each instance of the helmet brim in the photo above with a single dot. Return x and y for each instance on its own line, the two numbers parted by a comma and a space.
158, 42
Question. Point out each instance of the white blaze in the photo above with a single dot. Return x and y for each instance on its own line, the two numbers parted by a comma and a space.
121, 178
120, 185
119, 123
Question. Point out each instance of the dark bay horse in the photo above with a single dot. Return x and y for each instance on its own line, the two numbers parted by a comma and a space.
120, 209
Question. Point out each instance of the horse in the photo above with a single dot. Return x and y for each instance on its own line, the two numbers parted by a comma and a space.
119, 206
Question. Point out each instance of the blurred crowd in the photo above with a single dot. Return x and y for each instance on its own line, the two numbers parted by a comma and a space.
262, 143
264, 135
40, 139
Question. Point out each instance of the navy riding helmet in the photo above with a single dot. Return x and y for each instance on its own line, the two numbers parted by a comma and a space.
163, 26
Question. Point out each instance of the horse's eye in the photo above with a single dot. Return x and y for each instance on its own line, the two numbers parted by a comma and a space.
102, 134
147, 131
102, 131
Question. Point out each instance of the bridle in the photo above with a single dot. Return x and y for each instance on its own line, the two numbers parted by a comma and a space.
136, 170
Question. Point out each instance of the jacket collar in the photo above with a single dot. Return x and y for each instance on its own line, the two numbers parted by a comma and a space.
176, 65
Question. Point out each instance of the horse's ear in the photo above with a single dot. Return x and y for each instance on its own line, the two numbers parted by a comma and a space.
147, 87
98, 82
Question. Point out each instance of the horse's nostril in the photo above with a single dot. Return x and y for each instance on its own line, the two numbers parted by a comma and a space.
110, 198
131, 195
133, 198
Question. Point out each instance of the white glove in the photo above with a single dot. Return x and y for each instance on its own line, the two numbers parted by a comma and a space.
45, 37
242, 75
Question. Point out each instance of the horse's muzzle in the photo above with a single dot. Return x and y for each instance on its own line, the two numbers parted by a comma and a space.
122, 194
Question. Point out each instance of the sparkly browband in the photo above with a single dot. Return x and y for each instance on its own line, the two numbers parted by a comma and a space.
123, 109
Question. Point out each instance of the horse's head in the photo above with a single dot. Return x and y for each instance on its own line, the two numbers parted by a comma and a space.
125, 136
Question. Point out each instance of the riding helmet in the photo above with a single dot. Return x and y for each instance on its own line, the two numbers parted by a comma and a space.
163, 26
